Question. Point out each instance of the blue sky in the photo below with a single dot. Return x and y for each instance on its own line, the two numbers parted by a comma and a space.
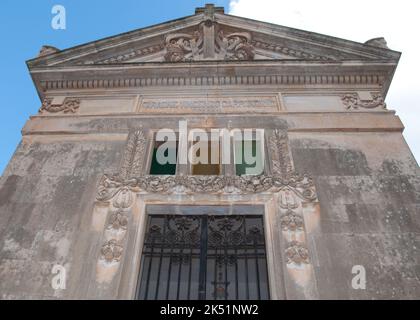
26, 25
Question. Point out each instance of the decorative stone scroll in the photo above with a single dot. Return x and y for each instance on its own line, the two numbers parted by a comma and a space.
181, 47
235, 46
301, 185
69, 106
353, 101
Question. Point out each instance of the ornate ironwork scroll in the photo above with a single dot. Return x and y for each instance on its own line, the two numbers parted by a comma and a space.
204, 257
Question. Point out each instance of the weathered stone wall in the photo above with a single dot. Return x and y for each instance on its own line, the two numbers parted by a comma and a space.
45, 198
368, 188
321, 101
366, 180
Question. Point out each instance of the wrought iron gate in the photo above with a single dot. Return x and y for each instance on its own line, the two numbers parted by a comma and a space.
204, 257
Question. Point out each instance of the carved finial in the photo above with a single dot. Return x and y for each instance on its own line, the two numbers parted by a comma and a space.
46, 50
377, 42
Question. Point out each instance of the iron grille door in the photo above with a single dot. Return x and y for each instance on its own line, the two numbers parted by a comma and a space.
204, 257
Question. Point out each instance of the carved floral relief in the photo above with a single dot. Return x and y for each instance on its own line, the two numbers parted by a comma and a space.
69, 106
353, 101
181, 47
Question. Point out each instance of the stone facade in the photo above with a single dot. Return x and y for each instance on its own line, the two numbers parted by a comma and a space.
341, 187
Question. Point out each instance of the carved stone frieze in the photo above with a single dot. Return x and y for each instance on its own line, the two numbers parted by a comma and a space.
69, 106
353, 101
181, 47
297, 253
301, 185
211, 104
211, 80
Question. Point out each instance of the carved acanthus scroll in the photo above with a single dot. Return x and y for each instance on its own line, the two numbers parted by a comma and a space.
235, 46
181, 47
301, 185
353, 101
68, 106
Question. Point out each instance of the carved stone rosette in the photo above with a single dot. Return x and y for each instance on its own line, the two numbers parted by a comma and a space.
69, 106
297, 254
353, 101
111, 251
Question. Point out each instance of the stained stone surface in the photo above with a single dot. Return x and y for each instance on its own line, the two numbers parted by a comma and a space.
370, 216
366, 208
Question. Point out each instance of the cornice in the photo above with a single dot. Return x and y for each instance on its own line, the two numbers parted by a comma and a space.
215, 73
308, 37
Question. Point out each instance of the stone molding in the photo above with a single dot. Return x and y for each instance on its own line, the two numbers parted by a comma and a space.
289, 51
138, 53
213, 81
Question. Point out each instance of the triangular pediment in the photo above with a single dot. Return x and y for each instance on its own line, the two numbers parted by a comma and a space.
211, 35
